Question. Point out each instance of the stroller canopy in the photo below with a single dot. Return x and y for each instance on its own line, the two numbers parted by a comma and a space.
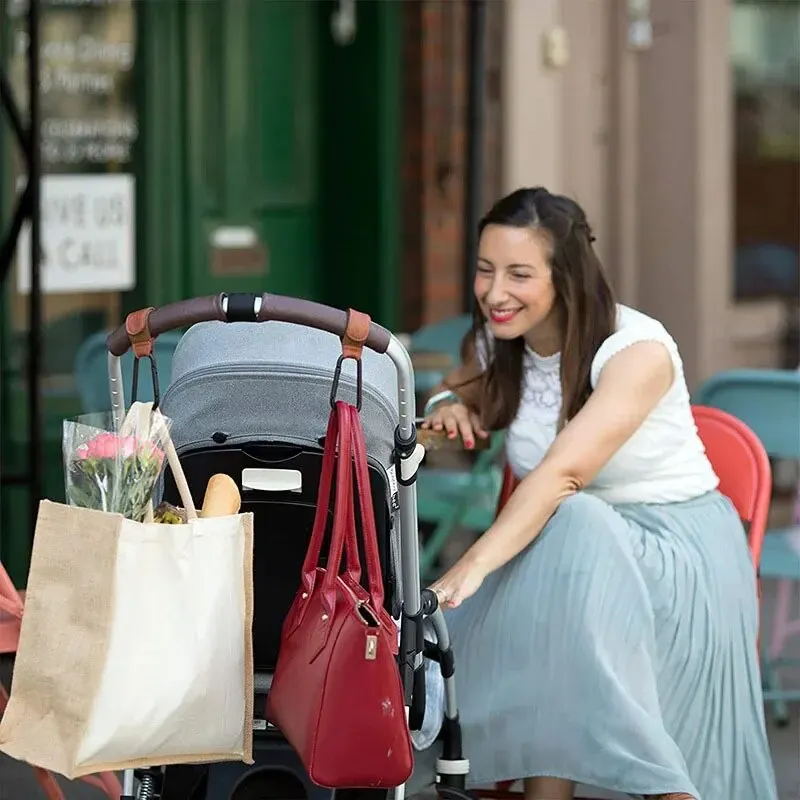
272, 381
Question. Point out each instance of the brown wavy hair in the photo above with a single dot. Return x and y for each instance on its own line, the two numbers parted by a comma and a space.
583, 295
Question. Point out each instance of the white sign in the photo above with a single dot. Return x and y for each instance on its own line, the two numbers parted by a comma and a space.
87, 235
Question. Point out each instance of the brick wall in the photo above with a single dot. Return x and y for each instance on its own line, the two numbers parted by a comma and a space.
434, 151
493, 102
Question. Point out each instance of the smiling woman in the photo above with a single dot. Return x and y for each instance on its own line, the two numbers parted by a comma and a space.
517, 296
605, 625
520, 238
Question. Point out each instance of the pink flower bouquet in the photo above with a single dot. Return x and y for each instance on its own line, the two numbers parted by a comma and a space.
114, 471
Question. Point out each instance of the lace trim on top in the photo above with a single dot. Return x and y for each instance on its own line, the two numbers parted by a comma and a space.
542, 381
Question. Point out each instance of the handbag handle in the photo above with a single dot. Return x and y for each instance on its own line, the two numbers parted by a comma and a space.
311, 561
367, 509
342, 509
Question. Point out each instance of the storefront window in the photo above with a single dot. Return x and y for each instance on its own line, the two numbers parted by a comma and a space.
89, 127
765, 42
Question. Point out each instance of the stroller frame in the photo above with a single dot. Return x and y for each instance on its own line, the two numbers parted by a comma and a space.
140, 331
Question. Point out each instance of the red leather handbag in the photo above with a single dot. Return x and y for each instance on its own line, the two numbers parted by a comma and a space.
336, 693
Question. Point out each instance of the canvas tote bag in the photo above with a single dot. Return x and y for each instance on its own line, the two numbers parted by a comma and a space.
136, 644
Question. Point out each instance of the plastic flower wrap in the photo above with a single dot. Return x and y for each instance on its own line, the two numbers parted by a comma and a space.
115, 470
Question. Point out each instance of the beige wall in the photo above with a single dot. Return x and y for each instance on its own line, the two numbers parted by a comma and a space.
643, 141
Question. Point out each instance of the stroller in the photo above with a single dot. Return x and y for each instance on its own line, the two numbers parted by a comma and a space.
252, 401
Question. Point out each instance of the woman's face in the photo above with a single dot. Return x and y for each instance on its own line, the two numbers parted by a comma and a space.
513, 282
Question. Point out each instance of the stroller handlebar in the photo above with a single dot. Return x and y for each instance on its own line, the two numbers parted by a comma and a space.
246, 308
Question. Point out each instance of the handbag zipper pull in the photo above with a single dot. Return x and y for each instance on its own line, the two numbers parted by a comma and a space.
372, 648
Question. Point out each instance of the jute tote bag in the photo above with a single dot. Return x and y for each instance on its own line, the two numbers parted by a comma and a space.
136, 642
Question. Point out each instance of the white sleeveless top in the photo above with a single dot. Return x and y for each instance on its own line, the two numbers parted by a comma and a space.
663, 462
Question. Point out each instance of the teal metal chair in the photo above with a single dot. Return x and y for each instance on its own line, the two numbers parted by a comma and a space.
442, 338
449, 498
454, 500
91, 371
768, 402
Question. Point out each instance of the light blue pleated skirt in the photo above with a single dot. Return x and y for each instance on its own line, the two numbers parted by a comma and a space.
617, 651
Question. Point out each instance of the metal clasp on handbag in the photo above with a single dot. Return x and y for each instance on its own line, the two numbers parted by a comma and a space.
371, 652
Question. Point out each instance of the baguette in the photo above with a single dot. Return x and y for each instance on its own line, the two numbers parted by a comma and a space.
222, 497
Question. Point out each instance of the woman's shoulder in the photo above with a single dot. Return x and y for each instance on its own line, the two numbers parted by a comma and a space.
633, 327
631, 319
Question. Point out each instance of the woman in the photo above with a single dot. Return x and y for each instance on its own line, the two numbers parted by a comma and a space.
605, 625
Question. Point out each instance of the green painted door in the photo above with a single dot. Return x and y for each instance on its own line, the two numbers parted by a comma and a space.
360, 90
252, 122
251, 99
259, 128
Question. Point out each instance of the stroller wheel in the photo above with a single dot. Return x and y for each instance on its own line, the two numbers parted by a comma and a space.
269, 784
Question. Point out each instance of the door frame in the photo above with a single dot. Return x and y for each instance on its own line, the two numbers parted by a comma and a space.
390, 127
160, 230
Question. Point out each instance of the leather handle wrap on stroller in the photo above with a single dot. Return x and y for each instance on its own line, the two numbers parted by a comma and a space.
272, 307
315, 315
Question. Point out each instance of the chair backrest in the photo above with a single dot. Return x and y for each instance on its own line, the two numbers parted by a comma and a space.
443, 337
10, 598
439, 337
10, 619
741, 464
91, 371
766, 400
506, 488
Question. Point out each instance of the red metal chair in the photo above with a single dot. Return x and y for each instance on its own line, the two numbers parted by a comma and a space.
11, 610
742, 465
743, 469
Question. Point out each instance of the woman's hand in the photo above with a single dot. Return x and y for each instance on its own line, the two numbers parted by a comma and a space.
461, 581
456, 418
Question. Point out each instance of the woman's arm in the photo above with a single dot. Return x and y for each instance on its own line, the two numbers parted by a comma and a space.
631, 384
464, 381
454, 406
